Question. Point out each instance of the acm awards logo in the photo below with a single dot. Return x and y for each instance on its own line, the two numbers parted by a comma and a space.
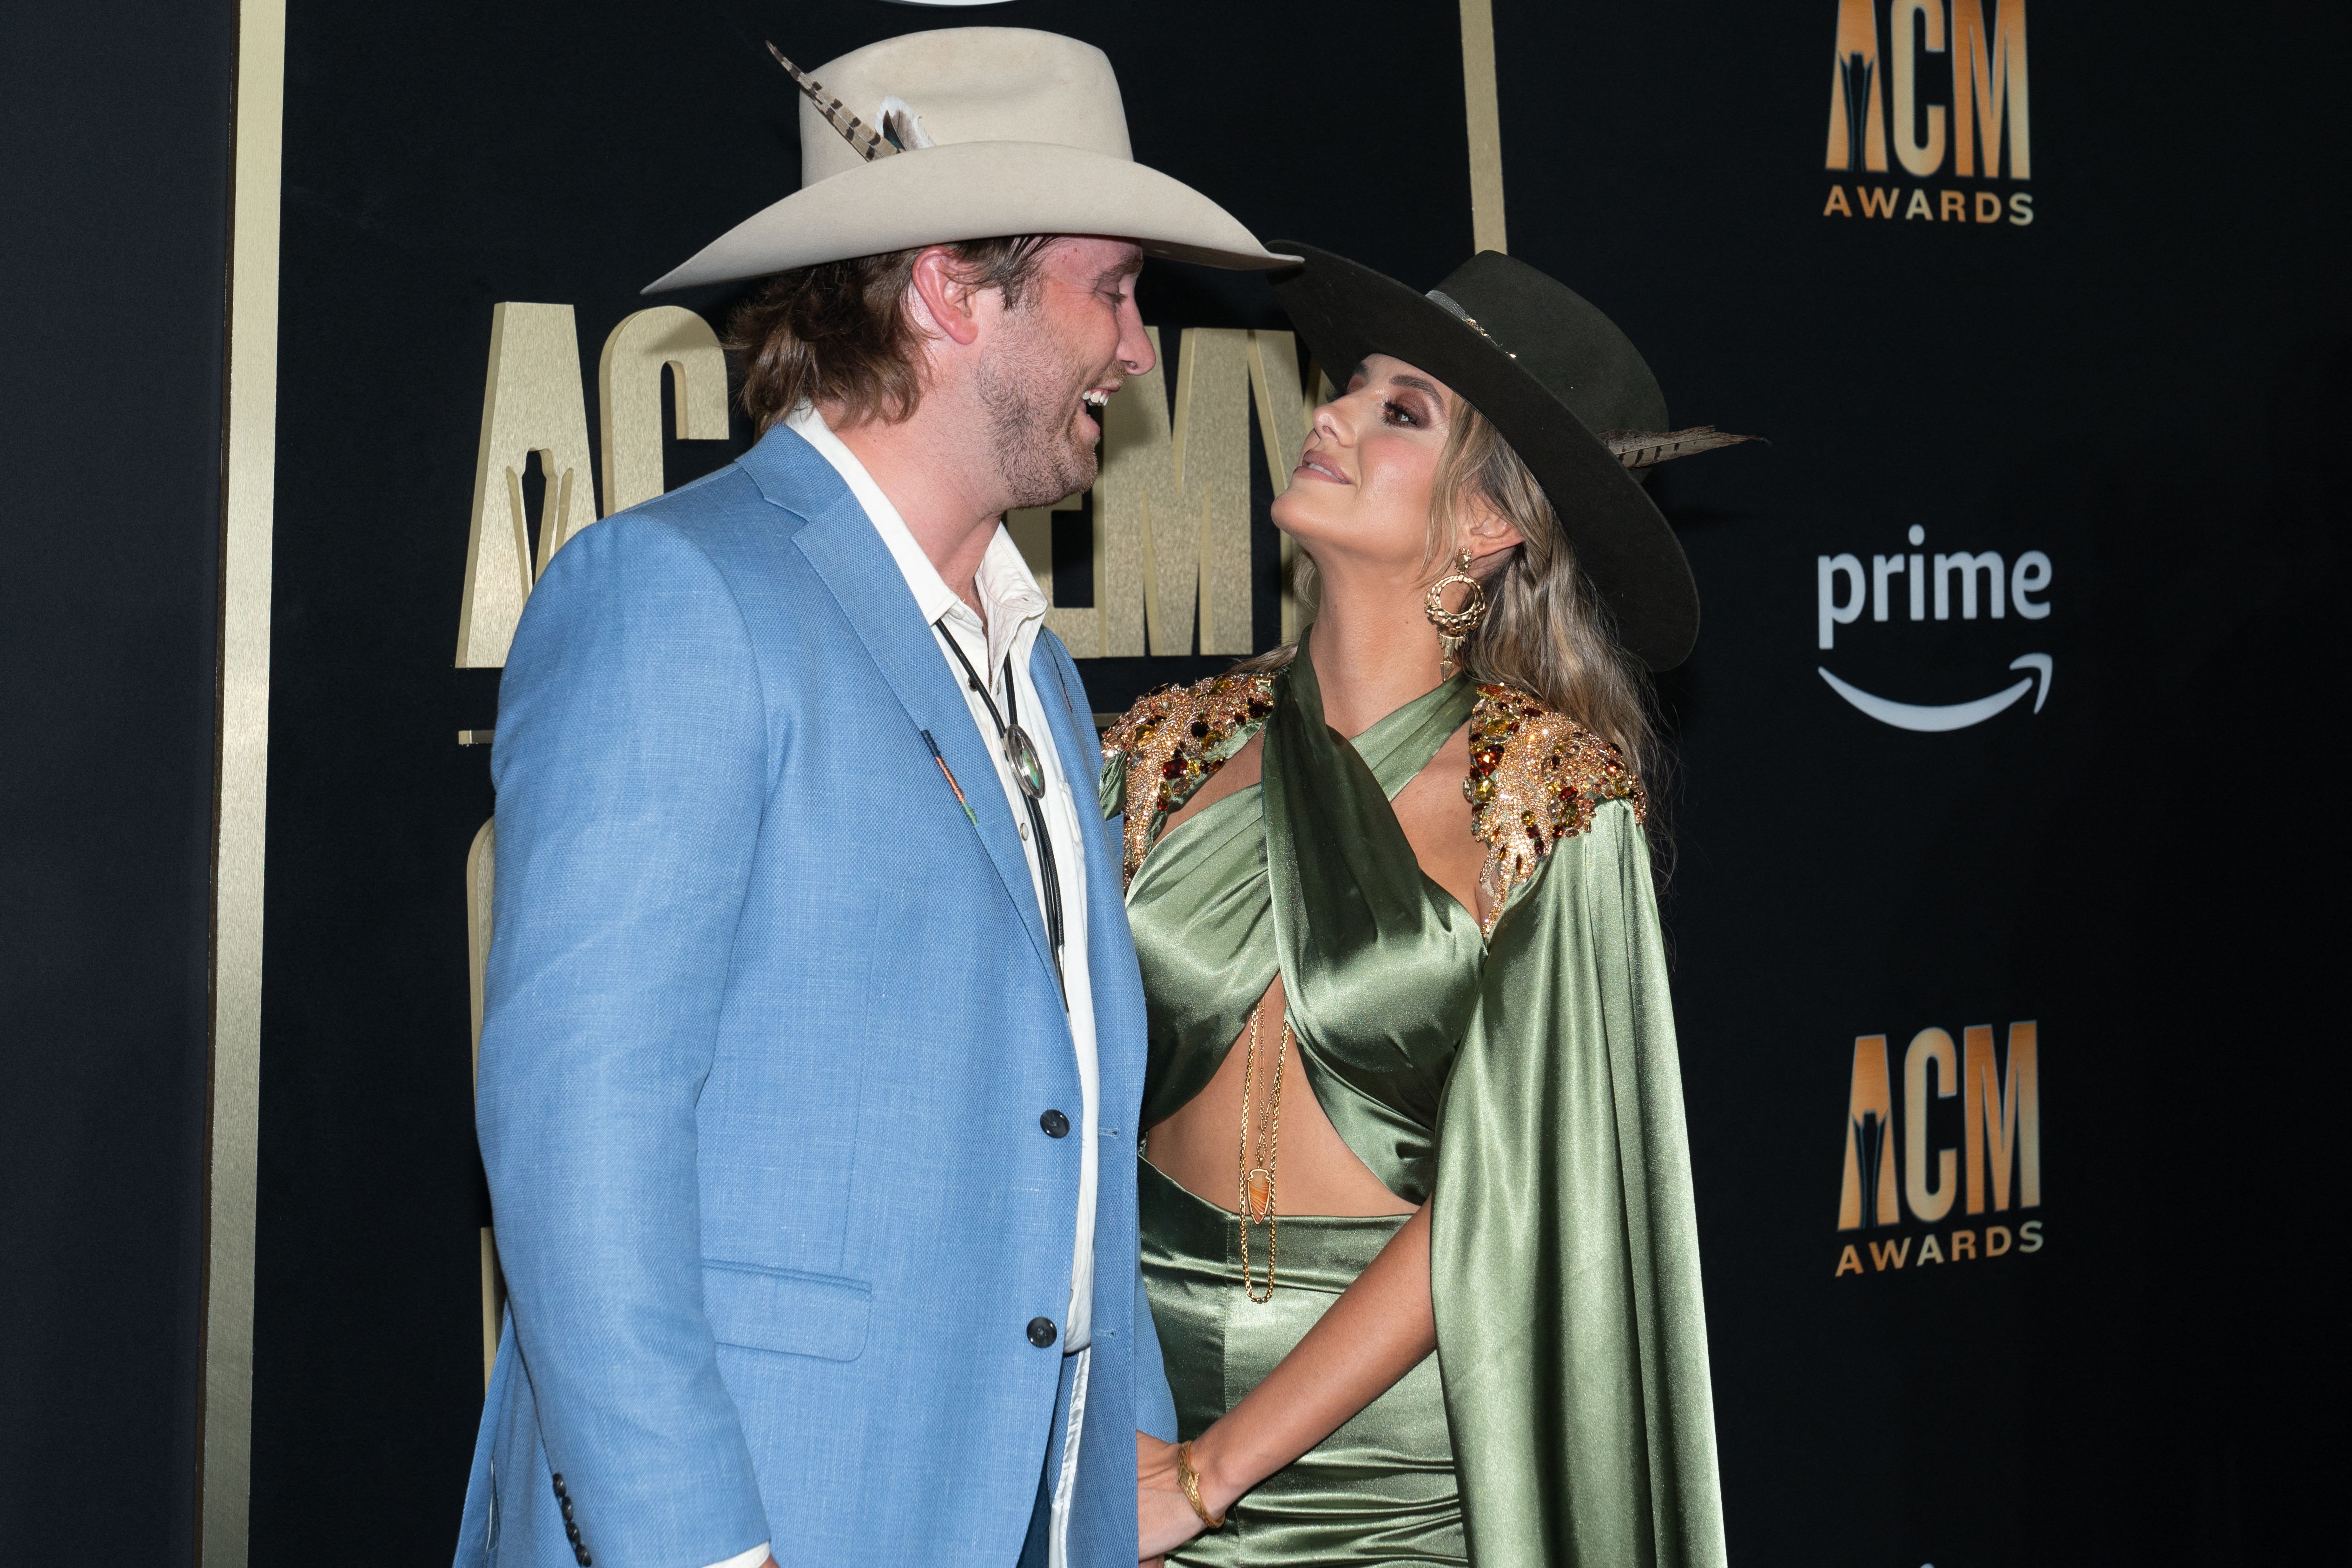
1943, 86
1992, 1176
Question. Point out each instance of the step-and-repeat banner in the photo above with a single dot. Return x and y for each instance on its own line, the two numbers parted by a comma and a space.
1976, 873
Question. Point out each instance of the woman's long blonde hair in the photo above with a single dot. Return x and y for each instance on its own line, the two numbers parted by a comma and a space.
1546, 629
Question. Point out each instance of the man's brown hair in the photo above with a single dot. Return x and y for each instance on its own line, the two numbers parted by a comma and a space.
839, 333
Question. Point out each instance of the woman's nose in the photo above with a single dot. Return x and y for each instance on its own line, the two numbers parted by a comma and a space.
1328, 424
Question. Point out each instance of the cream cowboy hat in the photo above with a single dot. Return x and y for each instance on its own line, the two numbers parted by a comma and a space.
967, 133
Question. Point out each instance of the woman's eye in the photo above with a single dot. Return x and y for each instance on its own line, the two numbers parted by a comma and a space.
1398, 413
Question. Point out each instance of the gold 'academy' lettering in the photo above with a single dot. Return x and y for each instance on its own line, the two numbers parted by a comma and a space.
628, 397
531, 404
1171, 500
1171, 503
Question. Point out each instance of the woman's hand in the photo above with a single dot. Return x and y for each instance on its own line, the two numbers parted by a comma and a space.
1163, 1519
1380, 1329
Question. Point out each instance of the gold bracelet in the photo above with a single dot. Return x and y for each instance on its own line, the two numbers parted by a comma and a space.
1189, 1479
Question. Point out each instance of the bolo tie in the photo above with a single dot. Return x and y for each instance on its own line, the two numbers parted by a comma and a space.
1029, 773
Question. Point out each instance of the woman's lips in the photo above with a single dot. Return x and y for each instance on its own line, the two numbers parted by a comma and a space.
1313, 467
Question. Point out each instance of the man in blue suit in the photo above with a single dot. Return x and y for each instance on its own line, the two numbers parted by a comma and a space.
814, 1044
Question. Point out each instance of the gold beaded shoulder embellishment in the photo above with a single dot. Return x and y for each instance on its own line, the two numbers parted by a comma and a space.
1535, 778
1175, 737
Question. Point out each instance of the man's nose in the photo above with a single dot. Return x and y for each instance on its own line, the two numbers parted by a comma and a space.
1134, 343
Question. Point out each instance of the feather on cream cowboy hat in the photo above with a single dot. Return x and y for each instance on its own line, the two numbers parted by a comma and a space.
967, 133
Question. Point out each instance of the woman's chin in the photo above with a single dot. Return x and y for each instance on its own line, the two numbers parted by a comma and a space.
1298, 517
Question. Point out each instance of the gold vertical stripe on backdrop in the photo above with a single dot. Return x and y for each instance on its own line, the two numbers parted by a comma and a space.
481, 883
241, 766
1484, 105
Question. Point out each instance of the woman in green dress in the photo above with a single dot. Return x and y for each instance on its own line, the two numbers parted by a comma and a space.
1412, 1085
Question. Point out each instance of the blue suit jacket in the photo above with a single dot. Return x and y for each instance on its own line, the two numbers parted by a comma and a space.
769, 1028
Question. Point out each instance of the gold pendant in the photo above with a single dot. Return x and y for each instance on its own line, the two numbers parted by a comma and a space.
1260, 1187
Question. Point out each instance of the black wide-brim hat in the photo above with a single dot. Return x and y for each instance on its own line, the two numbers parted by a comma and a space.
1567, 389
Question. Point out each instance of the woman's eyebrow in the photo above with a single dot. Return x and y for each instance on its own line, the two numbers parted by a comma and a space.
1413, 381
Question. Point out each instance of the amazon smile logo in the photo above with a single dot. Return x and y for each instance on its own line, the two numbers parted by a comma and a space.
1970, 586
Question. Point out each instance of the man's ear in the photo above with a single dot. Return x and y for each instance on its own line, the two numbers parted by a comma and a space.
944, 303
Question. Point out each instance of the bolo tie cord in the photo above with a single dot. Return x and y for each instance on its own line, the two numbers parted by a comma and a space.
1006, 723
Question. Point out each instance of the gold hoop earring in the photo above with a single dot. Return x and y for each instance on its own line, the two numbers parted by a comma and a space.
1454, 627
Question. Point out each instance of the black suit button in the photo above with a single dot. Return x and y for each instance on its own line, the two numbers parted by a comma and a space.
1055, 1124
571, 1533
567, 1509
1041, 1331
559, 1483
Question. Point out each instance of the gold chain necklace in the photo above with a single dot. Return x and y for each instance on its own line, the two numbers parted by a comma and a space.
1257, 1177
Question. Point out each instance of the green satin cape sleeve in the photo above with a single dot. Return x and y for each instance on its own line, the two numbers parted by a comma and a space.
1564, 1250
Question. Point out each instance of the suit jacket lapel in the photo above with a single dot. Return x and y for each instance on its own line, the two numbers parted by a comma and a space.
840, 544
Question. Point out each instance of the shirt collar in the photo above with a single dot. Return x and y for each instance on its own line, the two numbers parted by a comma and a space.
1016, 606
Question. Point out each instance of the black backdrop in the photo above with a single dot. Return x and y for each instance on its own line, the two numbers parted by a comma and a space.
113, 236
2145, 385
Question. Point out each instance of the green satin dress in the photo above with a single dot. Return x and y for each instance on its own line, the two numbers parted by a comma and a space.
1524, 1078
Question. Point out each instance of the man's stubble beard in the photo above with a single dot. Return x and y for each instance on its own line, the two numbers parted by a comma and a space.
1027, 389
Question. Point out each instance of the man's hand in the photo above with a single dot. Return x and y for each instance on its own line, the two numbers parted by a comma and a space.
1164, 1519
